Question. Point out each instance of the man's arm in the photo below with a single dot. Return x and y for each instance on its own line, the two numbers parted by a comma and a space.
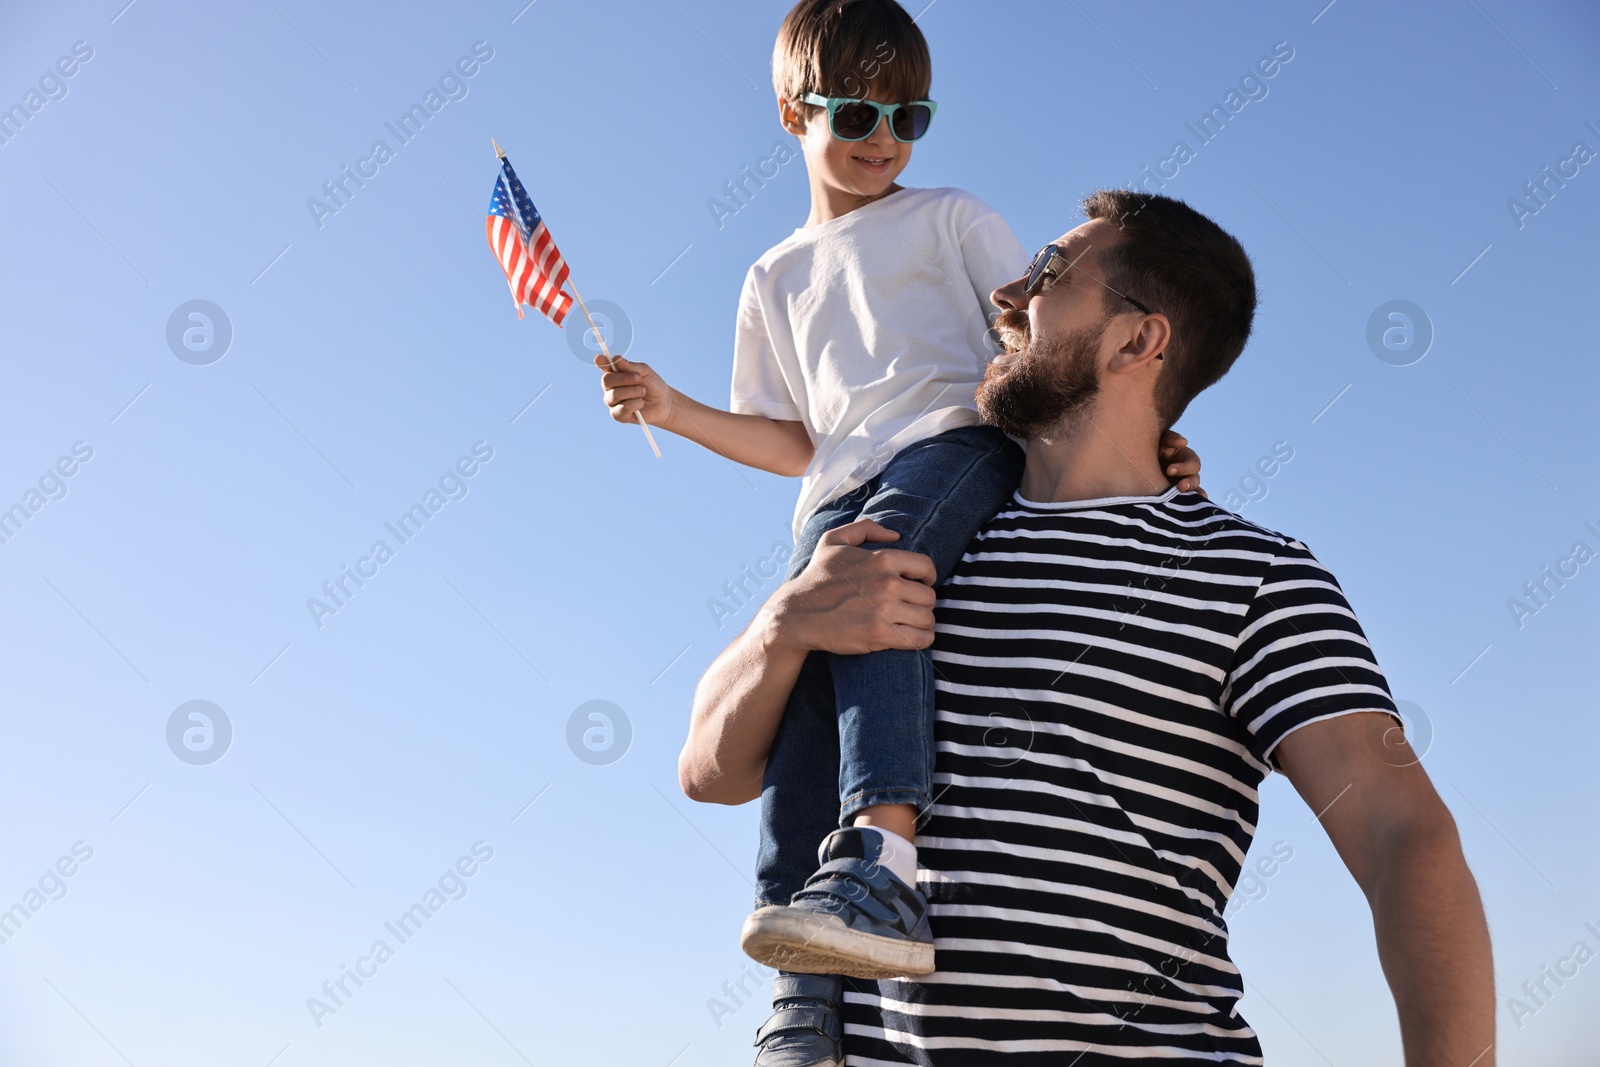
781, 446
848, 600
1399, 842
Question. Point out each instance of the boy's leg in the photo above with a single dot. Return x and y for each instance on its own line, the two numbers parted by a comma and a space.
861, 914
800, 807
935, 494
799, 790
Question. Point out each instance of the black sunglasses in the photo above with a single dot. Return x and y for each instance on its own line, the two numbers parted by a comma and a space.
1040, 270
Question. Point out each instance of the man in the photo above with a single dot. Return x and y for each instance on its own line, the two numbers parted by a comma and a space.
1119, 666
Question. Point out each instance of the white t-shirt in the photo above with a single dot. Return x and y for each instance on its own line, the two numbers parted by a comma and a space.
871, 329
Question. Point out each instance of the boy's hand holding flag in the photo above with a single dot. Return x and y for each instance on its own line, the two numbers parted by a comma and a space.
533, 265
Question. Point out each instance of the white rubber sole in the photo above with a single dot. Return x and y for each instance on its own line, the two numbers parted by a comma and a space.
806, 942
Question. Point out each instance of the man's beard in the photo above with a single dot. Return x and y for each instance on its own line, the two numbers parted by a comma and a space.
1044, 384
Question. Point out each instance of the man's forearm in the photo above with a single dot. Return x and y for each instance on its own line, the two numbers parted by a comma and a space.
1433, 943
850, 601
737, 708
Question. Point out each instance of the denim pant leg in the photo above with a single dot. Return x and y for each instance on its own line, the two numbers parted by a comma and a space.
936, 494
799, 790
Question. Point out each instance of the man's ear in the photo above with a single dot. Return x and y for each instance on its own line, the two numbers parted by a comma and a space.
791, 118
1147, 344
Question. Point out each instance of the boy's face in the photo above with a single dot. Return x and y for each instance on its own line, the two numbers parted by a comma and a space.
866, 168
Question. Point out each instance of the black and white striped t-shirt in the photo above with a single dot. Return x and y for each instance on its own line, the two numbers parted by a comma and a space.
1112, 678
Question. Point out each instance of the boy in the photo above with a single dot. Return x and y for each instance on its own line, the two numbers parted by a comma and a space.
861, 340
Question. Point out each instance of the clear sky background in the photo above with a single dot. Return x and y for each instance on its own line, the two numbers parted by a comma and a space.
370, 352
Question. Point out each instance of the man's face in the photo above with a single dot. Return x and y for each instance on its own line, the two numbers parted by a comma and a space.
1053, 340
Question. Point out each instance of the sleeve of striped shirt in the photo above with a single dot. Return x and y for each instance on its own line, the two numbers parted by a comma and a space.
1301, 656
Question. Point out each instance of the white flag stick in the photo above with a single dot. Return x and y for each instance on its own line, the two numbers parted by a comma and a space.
500, 153
598, 336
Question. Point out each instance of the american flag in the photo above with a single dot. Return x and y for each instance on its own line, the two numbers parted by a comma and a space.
526, 251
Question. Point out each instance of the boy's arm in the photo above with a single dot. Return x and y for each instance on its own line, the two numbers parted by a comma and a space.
776, 445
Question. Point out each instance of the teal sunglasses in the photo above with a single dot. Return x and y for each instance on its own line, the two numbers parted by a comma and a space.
851, 119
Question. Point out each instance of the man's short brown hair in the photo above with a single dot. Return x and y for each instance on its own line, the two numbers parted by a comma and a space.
854, 48
1176, 261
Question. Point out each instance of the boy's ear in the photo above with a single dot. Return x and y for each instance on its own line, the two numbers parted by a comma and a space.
791, 119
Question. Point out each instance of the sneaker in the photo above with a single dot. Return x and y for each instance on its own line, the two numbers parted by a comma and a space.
804, 1029
854, 917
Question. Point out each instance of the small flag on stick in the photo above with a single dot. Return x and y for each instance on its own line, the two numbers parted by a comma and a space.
526, 251
533, 265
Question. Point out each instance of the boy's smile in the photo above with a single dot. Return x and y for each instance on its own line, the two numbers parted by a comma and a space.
861, 170
873, 164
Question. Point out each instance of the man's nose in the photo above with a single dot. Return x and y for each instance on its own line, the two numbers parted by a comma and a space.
1009, 296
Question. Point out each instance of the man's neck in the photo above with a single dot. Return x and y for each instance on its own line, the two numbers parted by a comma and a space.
1094, 454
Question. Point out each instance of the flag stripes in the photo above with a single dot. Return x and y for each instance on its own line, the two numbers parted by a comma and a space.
527, 253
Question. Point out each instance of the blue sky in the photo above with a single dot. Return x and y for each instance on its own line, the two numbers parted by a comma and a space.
373, 348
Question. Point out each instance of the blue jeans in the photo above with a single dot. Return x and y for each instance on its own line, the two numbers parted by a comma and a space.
858, 730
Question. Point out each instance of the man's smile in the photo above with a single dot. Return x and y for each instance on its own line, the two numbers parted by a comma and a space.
1013, 342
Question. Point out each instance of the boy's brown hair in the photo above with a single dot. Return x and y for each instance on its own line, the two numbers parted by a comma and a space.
854, 48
